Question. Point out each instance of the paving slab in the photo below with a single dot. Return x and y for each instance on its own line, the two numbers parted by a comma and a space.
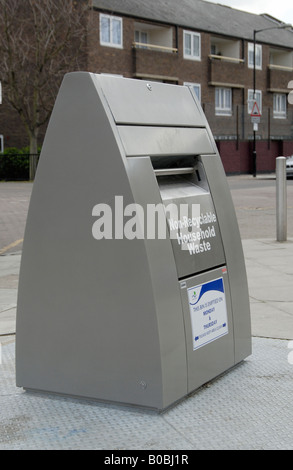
247, 408
270, 279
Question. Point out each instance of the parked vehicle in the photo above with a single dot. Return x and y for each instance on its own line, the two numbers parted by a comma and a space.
289, 166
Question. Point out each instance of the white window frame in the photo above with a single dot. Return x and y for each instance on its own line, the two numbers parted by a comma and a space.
223, 102
111, 42
258, 56
280, 106
191, 55
1, 143
196, 87
251, 99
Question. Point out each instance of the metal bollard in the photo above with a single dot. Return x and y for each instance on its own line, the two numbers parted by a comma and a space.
281, 196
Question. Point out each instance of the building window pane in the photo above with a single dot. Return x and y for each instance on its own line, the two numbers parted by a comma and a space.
144, 37
191, 45
223, 101
258, 61
111, 31
141, 37
187, 44
280, 106
196, 45
116, 31
258, 55
105, 29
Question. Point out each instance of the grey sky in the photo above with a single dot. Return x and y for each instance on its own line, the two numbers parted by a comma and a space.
280, 9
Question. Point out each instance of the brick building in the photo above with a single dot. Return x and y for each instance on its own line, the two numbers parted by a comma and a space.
210, 47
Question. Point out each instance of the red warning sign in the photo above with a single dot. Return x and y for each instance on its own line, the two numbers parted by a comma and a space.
255, 110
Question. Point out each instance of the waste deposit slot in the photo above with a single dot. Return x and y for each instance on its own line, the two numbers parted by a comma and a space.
132, 284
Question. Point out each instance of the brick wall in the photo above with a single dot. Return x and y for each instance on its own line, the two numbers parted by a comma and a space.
238, 158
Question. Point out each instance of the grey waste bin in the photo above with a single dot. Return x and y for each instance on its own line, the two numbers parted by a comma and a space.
106, 309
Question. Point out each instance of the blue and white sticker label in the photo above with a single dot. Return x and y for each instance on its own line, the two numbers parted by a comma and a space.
208, 312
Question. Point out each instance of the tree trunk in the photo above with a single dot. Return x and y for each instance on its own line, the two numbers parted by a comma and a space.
33, 155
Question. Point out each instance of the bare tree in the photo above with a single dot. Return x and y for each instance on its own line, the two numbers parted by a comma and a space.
40, 40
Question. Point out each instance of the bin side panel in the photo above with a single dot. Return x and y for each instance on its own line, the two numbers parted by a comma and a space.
85, 326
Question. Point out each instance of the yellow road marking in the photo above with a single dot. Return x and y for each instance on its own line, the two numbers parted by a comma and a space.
12, 245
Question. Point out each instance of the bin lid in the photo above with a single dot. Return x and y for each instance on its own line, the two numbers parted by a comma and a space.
150, 103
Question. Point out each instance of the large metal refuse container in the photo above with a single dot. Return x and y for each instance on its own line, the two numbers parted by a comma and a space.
109, 307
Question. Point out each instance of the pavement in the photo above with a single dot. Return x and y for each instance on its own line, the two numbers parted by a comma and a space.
247, 408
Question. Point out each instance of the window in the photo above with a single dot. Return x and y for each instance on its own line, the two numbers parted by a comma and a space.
191, 45
223, 101
214, 49
258, 56
110, 31
141, 37
196, 88
1, 143
280, 100
250, 100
